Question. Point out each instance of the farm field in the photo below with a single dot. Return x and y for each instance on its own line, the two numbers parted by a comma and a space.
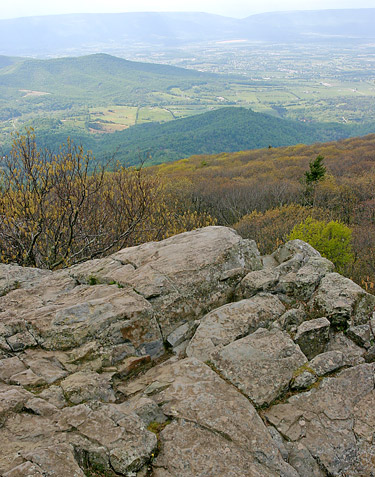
101, 94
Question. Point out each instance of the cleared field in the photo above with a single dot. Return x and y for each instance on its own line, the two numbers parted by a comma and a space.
114, 117
153, 114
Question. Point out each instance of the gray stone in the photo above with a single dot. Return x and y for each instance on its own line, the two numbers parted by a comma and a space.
304, 463
84, 386
183, 275
27, 378
164, 284
257, 281
361, 335
233, 321
302, 283
369, 356
28, 469
312, 336
56, 460
303, 380
182, 333
89, 334
12, 399
41, 407
145, 408
9, 367
21, 341
45, 364
295, 248
126, 442
334, 422
342, 301
327, 362
309, 276
13, 277
279, 442
261, 365
269, 262
352, 354
55, 396
214, 430
292, 318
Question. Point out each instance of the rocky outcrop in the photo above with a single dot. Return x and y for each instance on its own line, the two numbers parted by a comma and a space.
189, 357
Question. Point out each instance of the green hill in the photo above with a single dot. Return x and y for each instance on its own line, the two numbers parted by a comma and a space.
223, 130
97, 76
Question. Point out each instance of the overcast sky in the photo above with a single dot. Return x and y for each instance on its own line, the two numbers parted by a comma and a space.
233, 8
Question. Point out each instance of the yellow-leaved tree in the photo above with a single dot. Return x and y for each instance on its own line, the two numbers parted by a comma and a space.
58, 209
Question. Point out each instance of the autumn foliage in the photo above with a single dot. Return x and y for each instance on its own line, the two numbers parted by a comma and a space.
265, 193
59, 209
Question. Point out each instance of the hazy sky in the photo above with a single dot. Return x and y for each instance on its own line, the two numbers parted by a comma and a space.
234, 8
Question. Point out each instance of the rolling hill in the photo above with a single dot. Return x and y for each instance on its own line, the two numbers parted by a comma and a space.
222, 130
98, 75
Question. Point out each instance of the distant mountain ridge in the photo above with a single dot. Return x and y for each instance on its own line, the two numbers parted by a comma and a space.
78, 33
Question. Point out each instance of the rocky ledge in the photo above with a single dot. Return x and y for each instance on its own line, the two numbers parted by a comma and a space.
189, 357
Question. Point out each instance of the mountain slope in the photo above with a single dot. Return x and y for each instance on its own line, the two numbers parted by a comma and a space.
222, 130
94, 74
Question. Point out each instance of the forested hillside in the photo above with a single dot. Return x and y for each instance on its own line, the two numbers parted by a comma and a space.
110, 104
264, 194
222, 130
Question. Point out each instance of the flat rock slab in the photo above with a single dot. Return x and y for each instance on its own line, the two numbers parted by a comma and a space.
14, 276
352, 353
85, 386
261, 365
233, 321
214, 431
139, 295
335, 422
327, 362
69, 441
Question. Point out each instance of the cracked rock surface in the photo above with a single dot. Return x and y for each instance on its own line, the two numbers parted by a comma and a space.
190, 357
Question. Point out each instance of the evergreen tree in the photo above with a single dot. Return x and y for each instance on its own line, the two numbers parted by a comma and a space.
315, 174
317, 171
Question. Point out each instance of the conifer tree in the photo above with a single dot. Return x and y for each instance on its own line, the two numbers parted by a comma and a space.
316, 171
315, 174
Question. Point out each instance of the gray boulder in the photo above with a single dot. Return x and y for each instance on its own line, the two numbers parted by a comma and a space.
139, 295
302, 283
326, 363
342, 301
214, 430
312, 336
